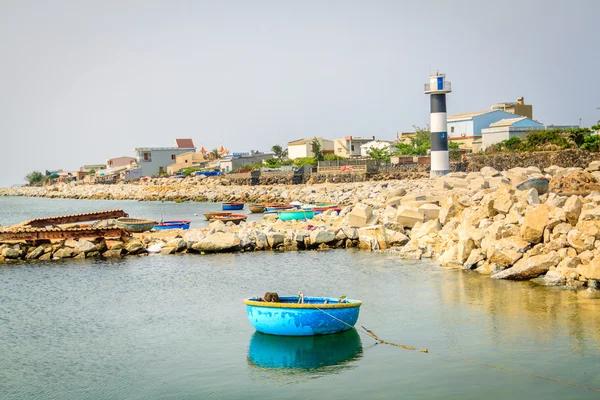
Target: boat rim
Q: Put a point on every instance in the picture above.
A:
(348, 303)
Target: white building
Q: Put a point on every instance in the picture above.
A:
(350, 146)
(508, 128)
(378, 144)
(154, 160)
(302, 148)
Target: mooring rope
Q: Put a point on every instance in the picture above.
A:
(379, 340)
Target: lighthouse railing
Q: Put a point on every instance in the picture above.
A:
(447, 87)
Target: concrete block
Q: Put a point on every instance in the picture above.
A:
(360, 216)
(430, 211)
(408, 216)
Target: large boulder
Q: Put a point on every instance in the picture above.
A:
(408, 216)
(178, 244)
(193, 236)
(572, 209)
(373, 238)
(534, 224)
(361, 216)
(134, 246)
(36, 253)
(320, 237)
(10, 253)
(507, 251)
(430, 211)
(529, 268)
(217, 242)
(591, 270)
(275, 239)
(84, 246)
(503, 202)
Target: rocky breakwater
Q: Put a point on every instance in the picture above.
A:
(216, 189)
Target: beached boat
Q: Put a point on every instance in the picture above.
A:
(232, 206)
(320, 208)
(291, 215)
(541, 184)
(235, 218)
(136, 225)
(272, 208)
(257, 208)
(315, 316)
(209, 215)
(180, 224)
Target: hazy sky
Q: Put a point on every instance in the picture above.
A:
(83, 81)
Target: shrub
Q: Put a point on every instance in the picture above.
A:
(591, 143)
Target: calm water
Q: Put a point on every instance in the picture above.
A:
(174, 327)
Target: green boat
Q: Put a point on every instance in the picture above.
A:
(292, 215)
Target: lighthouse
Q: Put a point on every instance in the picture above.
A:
(437, 89)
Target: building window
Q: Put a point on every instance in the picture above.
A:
(147, 156)
(186, 161)
(172, 156)
(352, 147)
(451, 129)
(339, 149)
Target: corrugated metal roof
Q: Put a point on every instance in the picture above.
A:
(506, 122)
(467, 115)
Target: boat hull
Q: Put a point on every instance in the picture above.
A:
(257, 208)
(540, 184)
(135, 225)
(232, 206)
(312, 318)
(295, 215)
(172, 225)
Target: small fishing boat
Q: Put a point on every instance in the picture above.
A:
(180, 224)
(235, 218)
(209, 215)
(315, 316)
(272, 208)
(232, 206)
(135, 225)
(291, 215)
(540, 184)
(320, 210)
(257, 208)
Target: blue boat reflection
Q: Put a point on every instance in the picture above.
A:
(304, 352)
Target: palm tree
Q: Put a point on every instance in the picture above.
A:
(279, 152)
(214, 154)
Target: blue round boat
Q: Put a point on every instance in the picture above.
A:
(313, 317)
(232, 206)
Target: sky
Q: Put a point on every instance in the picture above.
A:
(83, 81)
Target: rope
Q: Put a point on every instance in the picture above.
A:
(379, 340)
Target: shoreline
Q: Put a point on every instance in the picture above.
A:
(475, 221)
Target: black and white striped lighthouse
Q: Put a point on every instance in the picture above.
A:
(437, 89)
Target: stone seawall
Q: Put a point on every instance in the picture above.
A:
(541, 159)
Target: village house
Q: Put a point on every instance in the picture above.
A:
(349, 146)
(154, 160)
(508, 128)
(302, 148)
(377, 144)
(188, 160)
(120, 162)
(237, 160)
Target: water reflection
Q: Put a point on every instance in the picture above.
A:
(518, 307)
(303, 356)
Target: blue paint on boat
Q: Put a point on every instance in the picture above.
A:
(291, 215)
(288, 318)
(232, 206)
(172, 225)
(304, 352)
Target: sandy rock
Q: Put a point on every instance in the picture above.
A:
(84, 246)
(275, 239)
(45, 257)
(555, 200)
(319, 237)
(534, 224)
(360, 216)
(167, 250)
(572, 209)
(66, 252)
(591, 270)
(114, 245)
(532, 197)
(425, 229)
(507, 251)
(580, 241)
(217, 242)
(36, 253)
(408, 216)
(529, 268)
(430, 211)
(373, 237)
(503, 202)
(178, 244)
(193, 236)
(411, 252)
(10, 253)
(474, 259)
(113, 253)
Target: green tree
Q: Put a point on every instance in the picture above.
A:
(34, 177)
(379, 154)
(591, 143)
(418, 145)
(272, 163)
(280, 153)
(453, 150)
(214, 154)
(316, 149)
